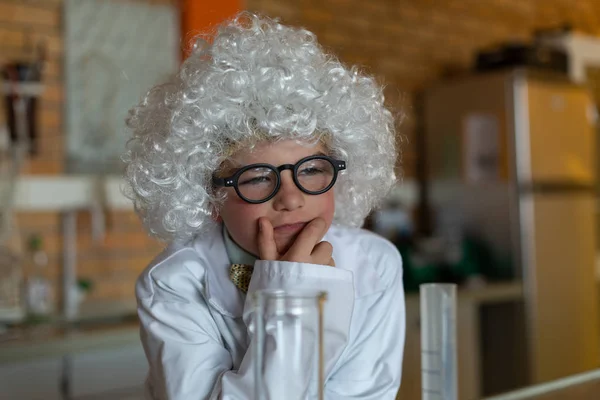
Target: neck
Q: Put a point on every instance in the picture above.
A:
(236, 253)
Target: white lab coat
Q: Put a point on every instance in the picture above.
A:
(194, 325)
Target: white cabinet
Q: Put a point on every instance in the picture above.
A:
(31, 380)
(114, 374)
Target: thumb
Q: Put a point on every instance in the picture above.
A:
(267, 249)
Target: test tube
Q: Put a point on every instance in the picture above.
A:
(289, 344)
(438, 342)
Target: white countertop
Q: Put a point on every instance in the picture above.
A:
(51, 341)
(487, 294)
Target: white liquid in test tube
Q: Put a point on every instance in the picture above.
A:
(438, 342)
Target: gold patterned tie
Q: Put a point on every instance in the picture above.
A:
(240, 275)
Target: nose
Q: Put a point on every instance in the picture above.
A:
(289, 197)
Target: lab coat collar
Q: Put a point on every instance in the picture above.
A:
(221, 293)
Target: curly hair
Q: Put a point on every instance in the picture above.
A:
(253, 78)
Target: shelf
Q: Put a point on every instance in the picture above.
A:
(39, 193)
(31, 89)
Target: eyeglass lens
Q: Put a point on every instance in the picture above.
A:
(259, 183)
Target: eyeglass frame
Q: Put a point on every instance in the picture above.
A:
(232, 181)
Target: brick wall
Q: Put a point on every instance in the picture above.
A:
(113, 263)
(406, 43)
(23, 22)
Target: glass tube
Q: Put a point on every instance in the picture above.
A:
(288, 345)
(438, 342)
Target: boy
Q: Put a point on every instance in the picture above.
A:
(259, 149)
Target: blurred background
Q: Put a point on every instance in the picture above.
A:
(499, 186)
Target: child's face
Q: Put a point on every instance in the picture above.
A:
(289, 211)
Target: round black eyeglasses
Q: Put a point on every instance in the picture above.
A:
(258, 183)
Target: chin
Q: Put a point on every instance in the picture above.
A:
(284, 245)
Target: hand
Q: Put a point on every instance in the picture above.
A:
(305, 249)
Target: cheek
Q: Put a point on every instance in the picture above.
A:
(326, 206)
(240, 219)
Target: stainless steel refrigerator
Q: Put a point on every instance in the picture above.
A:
(512, 155)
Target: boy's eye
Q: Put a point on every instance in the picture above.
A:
(255, 181)
(256, 177)
(311, 171)
(315, 167)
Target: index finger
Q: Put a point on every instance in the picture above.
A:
(267, 249)
(309, 237)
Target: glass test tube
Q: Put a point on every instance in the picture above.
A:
(288, 345)
(438, 342)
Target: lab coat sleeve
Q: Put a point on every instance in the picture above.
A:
(187, 357)
(372, 364)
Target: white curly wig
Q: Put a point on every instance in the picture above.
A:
(254, 78)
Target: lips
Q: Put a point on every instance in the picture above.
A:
(289, 229)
